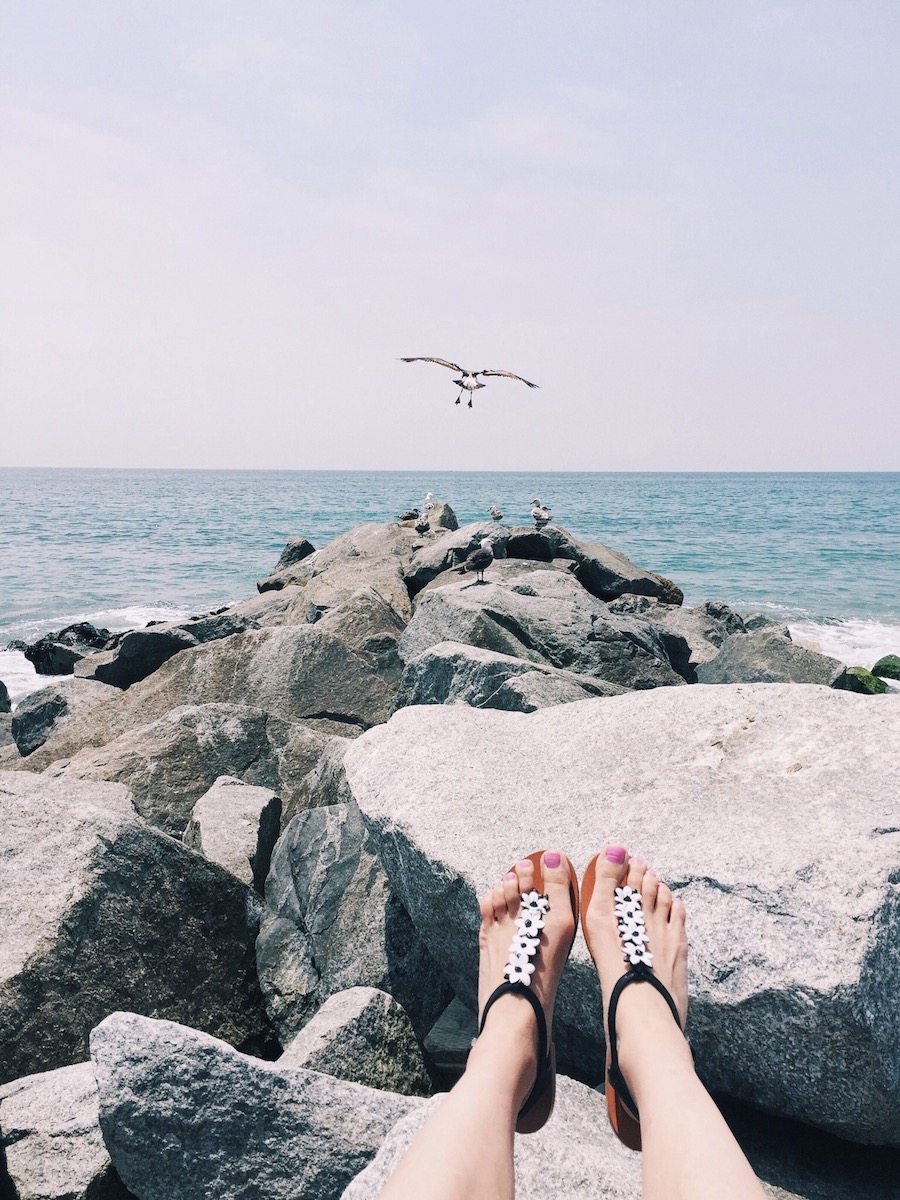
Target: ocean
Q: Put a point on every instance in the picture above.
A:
(120, 547)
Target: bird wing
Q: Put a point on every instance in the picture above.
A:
(441, 362)
(509, 375)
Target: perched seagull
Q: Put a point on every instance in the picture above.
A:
(494, 513)
(541, 513)
(468, 380)
(411, 515)
(429, 502)
(422, 525)
(479, 560)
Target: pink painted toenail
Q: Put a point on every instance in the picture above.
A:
(524, 864)
(615, 854)
(510, 875)
(552, 858)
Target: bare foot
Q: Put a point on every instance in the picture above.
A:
(511, 1018)
(642, 1014)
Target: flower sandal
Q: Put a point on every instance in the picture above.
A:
(538, 1106)
(623, 1112)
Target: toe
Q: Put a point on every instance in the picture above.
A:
(525, 872)
(511, 892)
(556, 876)
(663, 899)
(611, 868)
(498, 902)
(649, 889)
(637, 869)
(678, 913)
(486, 908)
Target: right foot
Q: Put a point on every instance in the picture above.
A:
(642, 1016)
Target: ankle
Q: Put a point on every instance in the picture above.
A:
(506, 1049)
(651, 1045)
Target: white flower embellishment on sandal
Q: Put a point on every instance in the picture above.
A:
(525, 944)
(630, 913)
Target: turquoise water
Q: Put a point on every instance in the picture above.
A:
(122, 547)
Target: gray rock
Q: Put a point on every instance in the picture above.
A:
(41, 712)
(50, 1131)
(547, 619)
(100, 911)
(6, 737)
(139, 654)
(887, 667)
(766, 656)
(768, 808)
(58, 653)
(362, 1035)
(454, 673)
(171, 762)
(236, 825)
(703, 628)
(439, 554)
(215, 626)
(369, 625)
(332, 922)
(576, 1154)
(184, 1115)
(298, 672)
(442, 516)
(5, 704)
(449, 1040)
(295, 551)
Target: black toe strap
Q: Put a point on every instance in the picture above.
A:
(638, 974)
(543, 1056)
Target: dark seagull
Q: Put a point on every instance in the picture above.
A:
(479, 560)
(468, 380)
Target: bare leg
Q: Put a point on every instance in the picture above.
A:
(464, 1151)
(689, 1153)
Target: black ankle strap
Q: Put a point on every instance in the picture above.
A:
(543, 1056)
(638, 974)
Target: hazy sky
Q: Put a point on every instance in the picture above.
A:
(222, 224)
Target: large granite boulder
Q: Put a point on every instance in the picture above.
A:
(184, 1115)
(41, 712)
(138, 654)
(236, 825)
(767, 656)
(50, 1133)
(703, 628)
(57, 653)
(362, 1035)
(454, 673)
(603, 572)
(546, 618)
(6, 737)
(373, 555)
(442, 516)
(100, 911)
(366, 623)
(298, 672)
(333, 922)
(171, 762)
(768, 808)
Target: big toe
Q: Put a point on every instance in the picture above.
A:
(611, 867)
(556, 877)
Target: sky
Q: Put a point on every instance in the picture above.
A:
(222, 224)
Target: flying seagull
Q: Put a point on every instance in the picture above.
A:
(479, 560)
(494, 513)
(468, 380)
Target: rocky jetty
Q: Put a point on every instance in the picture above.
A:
(240, 856)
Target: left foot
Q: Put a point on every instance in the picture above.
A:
(512, 1017)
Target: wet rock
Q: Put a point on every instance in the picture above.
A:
(362, 1035)
(40, 713)
(50, 1132)
(861, 680)
(57, 653)
(454, 673)
(139, 654)
(332, 922)
(295, 551)
(236, 826)
(887, 667)
(171, 762)
(5, 704)
(547, 619)
(768, 809)
(184, 1115)
(766, 656)
(103, 912)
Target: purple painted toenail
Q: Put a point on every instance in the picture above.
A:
(615, 854)
(510, 875)
(552, 858)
